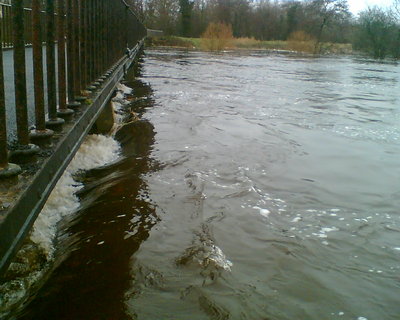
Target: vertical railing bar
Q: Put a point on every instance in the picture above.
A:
(7, 170)
(42, 135)
(54, 122)
(37, 54)
(98, 39)
(19, 73)
(3, 119)
(104, 37)
(2, 25)
(82, 44)
(90, 50)
(118, 36)
(112, 40)
(5, 26)
(92, 32)
(78, 69)
(126, 29)
(10, 32)
(71, 59)
(62, 85)
(88, 47)
(109, 42)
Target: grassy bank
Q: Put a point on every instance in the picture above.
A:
(249, 44)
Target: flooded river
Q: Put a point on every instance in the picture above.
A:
(254, 186)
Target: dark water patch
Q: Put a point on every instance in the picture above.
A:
(92, 271)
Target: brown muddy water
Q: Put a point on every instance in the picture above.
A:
(254, 186)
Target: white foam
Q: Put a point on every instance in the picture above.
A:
(118, 102)
(263, 212)
(329, 229)
(96, 150)
(124, 88)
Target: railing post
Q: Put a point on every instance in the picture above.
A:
(104, 24)
(19, 72)
(23, 152)
(127, 26)
(90, 12)
(41, 135)
(77, 47)
(97, 38)
(54, 122)
(102, 41)
(83, 45)
(6, 169)
(71, 58)
(63, 111)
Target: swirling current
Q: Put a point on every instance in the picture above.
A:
(250, 185)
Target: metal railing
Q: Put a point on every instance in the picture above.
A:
(80, 50)
(82, 39)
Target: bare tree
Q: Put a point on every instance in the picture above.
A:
(378, 33)
(323, 13)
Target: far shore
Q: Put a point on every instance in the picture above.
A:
(249, 44)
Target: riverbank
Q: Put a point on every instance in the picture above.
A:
(250, 44)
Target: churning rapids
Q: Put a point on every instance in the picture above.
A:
(247, 186)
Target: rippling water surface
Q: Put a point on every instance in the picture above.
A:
(255, 186)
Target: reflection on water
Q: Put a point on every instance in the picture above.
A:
(256, 186)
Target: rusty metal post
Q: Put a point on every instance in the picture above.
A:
(63, 111)
(41, 135)
(108, 39)
(71, 59)
(83, 45)
(127, 26)
(102, 41)
(3, 126)
(91, 44)
(54, 122)
(8, 15)
(7, 170)
(23, 152)
(38, 66)
(78, 48)
(19, 72)
(97, 57)
(104, 24)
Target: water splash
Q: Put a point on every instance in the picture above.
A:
(96, 151)
(35, 257)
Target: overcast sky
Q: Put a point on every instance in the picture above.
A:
(360, 5)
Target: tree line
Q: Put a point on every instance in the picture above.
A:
(375, 30)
